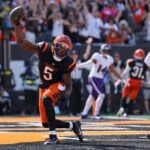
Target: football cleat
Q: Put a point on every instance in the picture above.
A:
(51, 140)
(77, 130)
(84, 117)
(125, 115)
(120, 112)
(97, 117)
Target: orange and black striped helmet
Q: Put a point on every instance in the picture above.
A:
(62, 45)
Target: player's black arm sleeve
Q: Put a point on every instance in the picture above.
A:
(68, 82)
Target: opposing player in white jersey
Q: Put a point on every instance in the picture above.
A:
(147, 61)
(101, 62)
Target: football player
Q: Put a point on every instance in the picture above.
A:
(55, 66)
(147, 61)
(135, 69)
(101, 62)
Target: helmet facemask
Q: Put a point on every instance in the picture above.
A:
(105, 49)
(60, 51)
(61, 47)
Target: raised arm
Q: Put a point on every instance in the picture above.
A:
(27, 45)
(88, 49)
(15, 17)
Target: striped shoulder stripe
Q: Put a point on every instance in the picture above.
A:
(45, 47)
(72, 65)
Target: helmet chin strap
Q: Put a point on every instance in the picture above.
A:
(56, 58)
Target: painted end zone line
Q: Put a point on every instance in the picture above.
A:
(138, 139)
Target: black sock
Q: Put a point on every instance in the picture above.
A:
(62, 124)
(50, 113)
(130, 107)
(58, 124)
(124, 103)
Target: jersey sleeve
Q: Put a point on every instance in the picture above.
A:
(111, 61)
(95, 56)
(87, 63)
(129, 62)
(70, 66)
(42, 46)
(147, 60)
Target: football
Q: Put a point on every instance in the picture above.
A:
(16, 14)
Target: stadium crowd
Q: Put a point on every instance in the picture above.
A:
(111, 21)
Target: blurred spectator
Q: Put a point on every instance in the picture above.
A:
(116, 91)
(110, 10)
(127, 37)
(82, 24)
(94, 24)
(128, 15)
(118, 63)
(76, 96)
(82, 30)
(51, 7)
(146, 92)
(147, 28)
(112, 35)
(120, 5)
(7, 78)
(58, 24)
(34, 64)
(4, 9)
(30, 84)
(138, 12)
(108, 99)
(1, 35)
(77, 23)
(71, 14)
(5, 102)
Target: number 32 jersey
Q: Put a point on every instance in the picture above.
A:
(137, 69)
(50, 70)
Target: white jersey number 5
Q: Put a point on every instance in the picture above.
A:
(48, 73)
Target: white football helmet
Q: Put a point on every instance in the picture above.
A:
(105, 47)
